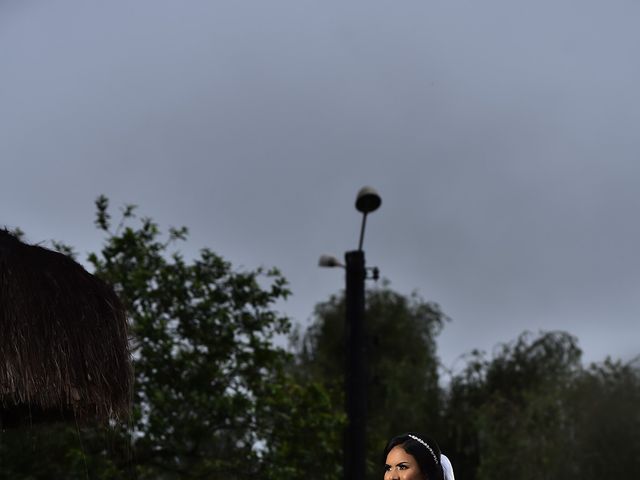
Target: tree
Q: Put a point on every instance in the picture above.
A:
(214, 395)
(403, 392)
(204, 334)
(506, 416)
(605, 417)
(532, 411)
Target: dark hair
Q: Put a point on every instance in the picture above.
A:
(423, 449)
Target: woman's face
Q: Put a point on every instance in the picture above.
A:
(401, 466)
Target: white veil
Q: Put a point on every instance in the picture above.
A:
(447, 468)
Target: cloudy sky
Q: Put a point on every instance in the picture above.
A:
(502, 135)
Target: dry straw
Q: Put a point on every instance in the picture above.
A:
(64, 350)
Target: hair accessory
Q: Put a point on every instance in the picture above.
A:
(435, 459)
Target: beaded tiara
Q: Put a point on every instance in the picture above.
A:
(419, 440)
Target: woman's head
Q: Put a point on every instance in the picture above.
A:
(412, 456)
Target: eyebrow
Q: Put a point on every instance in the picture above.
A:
(404, 462)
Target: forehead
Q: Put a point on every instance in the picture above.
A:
(398, 455)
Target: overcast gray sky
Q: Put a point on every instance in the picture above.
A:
(503, 136)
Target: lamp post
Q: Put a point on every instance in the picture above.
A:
(367, 201)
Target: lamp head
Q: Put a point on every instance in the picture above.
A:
(329, 261)
(367, 200)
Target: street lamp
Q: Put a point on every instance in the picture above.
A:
(367, 201)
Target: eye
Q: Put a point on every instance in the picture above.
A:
(403, 466)
(387, 467)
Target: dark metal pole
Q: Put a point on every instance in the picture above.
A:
(355, 380)
(364, 224)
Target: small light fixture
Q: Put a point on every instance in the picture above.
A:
(329, 261)
(368, 200)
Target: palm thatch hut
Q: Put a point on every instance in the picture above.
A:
(64, 350)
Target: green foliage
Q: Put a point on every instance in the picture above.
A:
(59, 451)
(307, 441)
(533, 412)
(204, 339)
(605, 420)
(522, 420)
(403, 392)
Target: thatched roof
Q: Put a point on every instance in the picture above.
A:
(63, 339)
